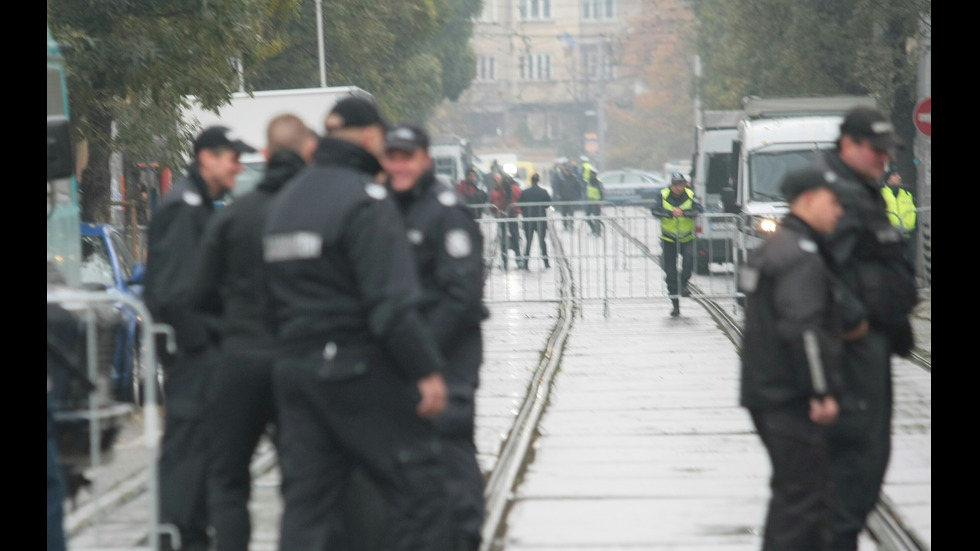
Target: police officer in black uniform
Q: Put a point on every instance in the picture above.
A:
(226, 287)
(358, 375)
(175, 232)
(448, 249)
(792, 350)
(870, 256)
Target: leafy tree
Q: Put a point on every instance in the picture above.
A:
(408, 54)
(130, 64)
(790, 48)
(659, 126)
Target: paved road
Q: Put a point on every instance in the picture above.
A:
(642, 444)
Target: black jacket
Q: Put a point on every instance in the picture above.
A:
(535, 194)
(338, 266)
(175, 232)
(230, 258)
(862, 234)
(447, 246)
(792, 342)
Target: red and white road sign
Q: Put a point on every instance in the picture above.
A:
(922, 116)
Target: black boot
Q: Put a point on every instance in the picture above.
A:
(677, 308)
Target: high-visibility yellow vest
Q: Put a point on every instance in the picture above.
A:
(901, 209)
(677, 229)
(586, 171)
(593, 192)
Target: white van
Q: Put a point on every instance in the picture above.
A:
(775, 136)
(713, 157)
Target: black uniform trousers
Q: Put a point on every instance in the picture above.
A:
(464, 480)
(799, 507)
(366, 420)
(184, 447)
(860, 439)
(669, 261)
(541, 228)
(510, 238)
(243, 408)
(594, 225)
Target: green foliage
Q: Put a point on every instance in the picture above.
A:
(408, 54)
(792, 48)
(786, 48)
(130, 64)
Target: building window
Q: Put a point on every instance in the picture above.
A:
(535, 9)
(597, 9)
(597, 62)
(485, 68)
(535, 67)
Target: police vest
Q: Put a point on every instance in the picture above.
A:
(593, 192)
(677, 229)
(586, 171)
(901, 209)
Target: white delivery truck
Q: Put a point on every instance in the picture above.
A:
(248, 115)
(451, 156)
(777, 135)
(714, 137)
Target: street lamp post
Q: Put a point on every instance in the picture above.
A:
(319, 40)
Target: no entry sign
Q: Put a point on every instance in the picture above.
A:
(922, 116)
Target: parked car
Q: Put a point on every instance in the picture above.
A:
(108, 263)
(628, 185)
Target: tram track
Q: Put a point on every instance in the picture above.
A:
(512, 459)
(516, 451)
(884, 523)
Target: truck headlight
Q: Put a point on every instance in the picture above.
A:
(767, 225)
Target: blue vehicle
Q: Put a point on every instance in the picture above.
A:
(107, 263)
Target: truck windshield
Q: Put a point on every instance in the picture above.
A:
(766, 171)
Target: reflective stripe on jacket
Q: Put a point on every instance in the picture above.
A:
(901, 209)
(680, 228)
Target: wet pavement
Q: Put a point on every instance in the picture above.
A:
(642, 444)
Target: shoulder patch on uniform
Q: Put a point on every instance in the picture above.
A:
(375, 191)
(191, 198)
(808, 245)
(748, 278)
(458, 243)
(415, 236)
(447, 198)
(830, 176)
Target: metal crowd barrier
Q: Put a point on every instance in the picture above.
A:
(102, 410)
(613, 250)
(615, 253)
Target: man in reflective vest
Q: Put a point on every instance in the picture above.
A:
(595, 193)
(901, 208)
(677, 211)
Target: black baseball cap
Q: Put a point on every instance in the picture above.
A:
(220, 137)
(406, 137)
(805, 179)
(354, 112)
(867, 123)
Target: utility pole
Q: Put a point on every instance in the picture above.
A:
(319, 40)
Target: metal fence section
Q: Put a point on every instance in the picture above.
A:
(613, 250)
(103, 416)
